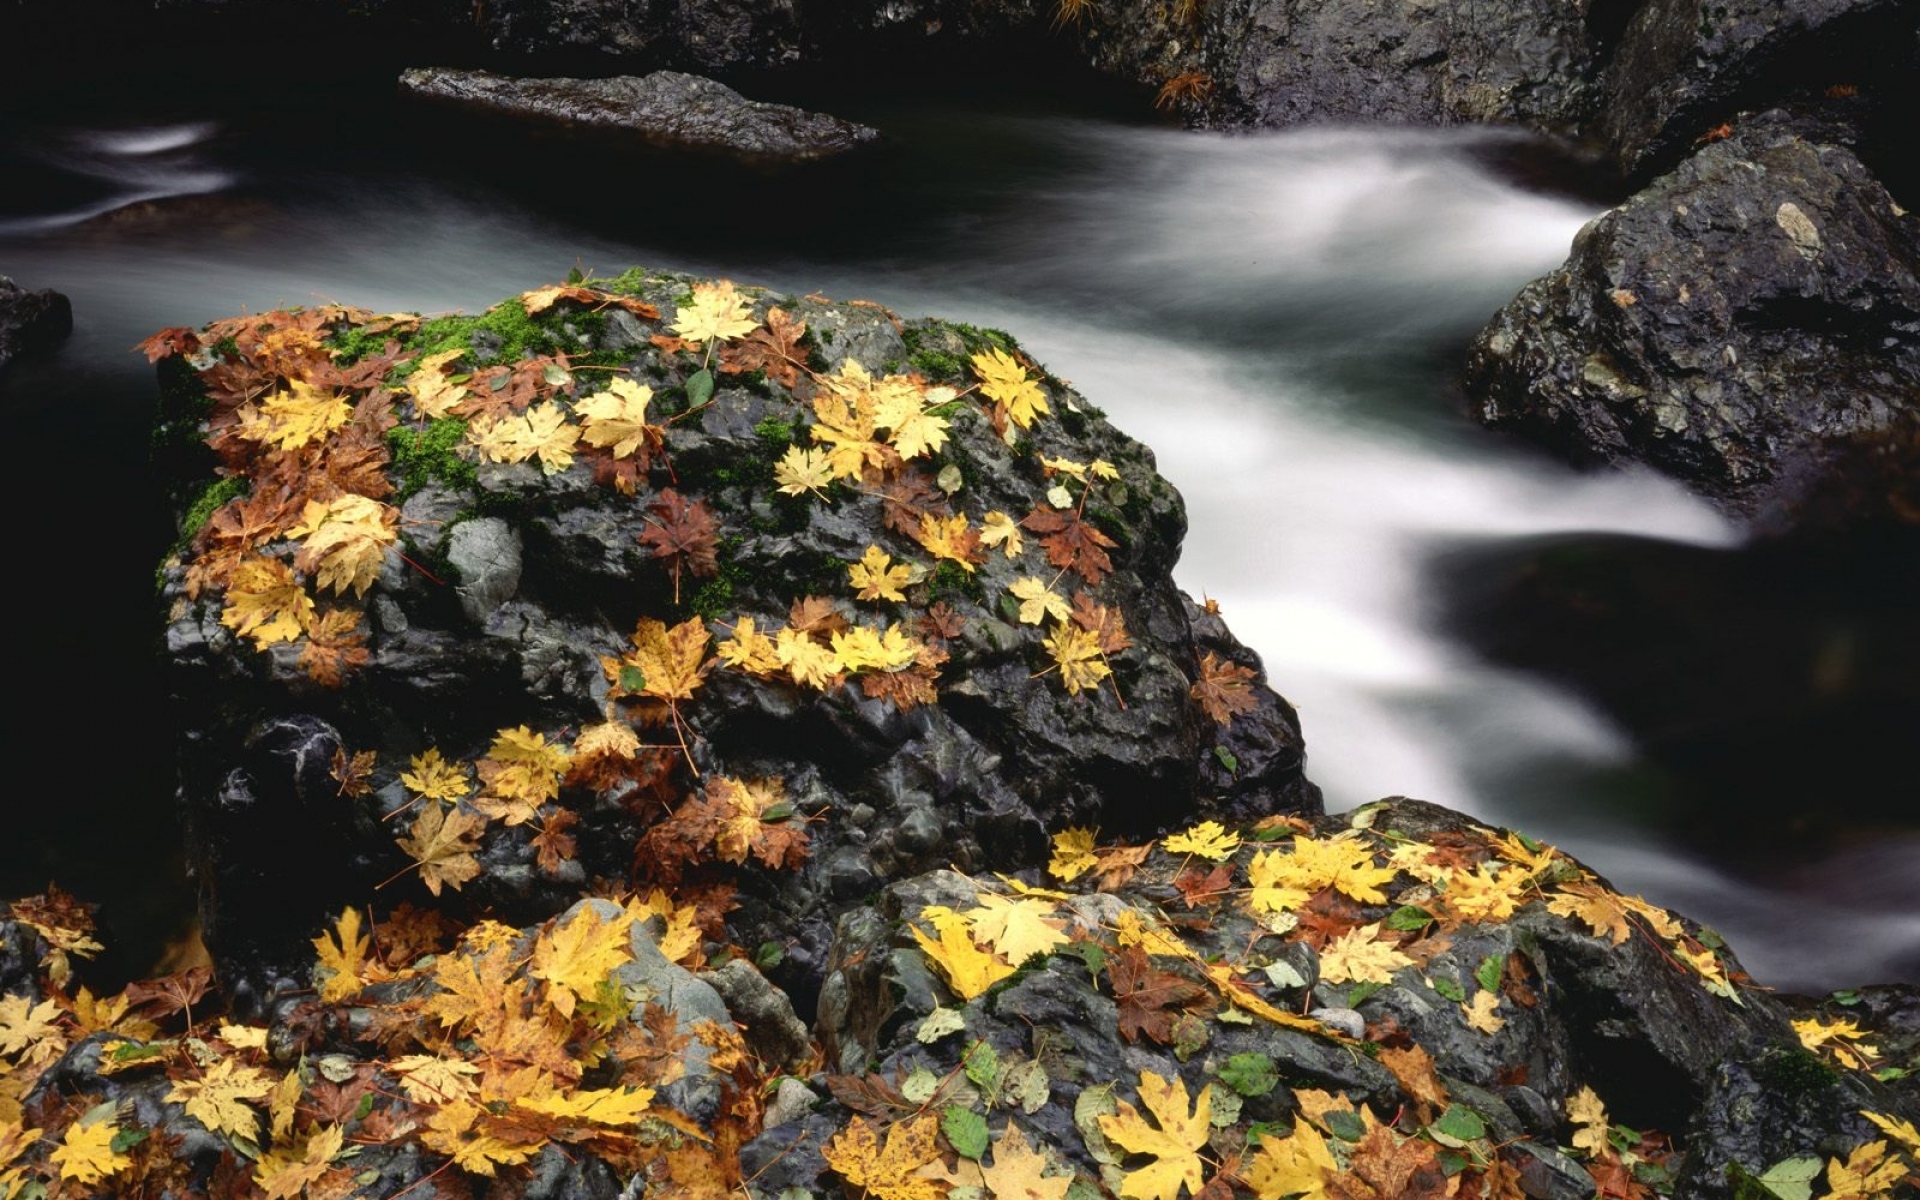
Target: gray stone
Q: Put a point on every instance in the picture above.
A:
(486, 552)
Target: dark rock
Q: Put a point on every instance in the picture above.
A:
(1685, 66)
(483, 623)
(666, 108)
(1758, 303)
(31, 323)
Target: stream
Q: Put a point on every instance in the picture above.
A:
(1279, 316)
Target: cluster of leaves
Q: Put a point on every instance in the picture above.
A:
(1379, 908)
(480, 1051)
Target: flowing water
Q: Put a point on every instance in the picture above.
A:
(1279, 316)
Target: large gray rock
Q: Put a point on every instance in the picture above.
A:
(666, 108)
(1758, 301)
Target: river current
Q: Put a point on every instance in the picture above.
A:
(1278, 315)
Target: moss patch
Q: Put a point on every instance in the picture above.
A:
(431, 454)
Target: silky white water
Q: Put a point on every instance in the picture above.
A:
(1273, 314)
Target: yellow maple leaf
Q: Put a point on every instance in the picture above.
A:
(346, 541)
(1296, 1165)
(877, 578)
(1898, 1128)
(1076, 652)
(1713, 974)
(1006, 383)
(218, 1098)
(968, 969)
(1019, 1170)
(452, 1131)
(434, 393)
(803, 469)
(844, 422)
(1868, 1172)
(286, 1176)
(266, 602)
(811, 664)
(673, 660)
(1073, 855)
(15, 1139)
(1486, 893)
(342, 960)
(1208, 840)
(606, 739)
(1480, 1014)
(1841, 1038)
(1359, 956)
(865, 649)
(1589, 1116)
(615, 1107)
(1596, 907)
(24, 1023)
(952, 538)
(1000, 529)
(430, 1079)
(749, 649)
(717, 312)
(1174, 1140)
(680, 941)
(86, 1154)
(575, 958)
(442, 843)
(1343, 862)
(283, 1102)
(434, 778)
(290, 419)
(523, 769)
(542, 431)
(617, 417)
(889, 1170)
(1268, 873)
(1016, 929)
(1134, 928)
(1038, 601)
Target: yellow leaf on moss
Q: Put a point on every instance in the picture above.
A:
(1038, 601)
(1343, 862)
(1174, 1139)
(1006, 383)
(1000, 529)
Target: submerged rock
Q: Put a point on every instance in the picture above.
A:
(31, 323)
(1757, 306)
(666, 108)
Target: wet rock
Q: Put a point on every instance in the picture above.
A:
(1758, 303)
(666, 108)
(31, 323)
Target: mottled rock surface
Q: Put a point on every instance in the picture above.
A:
(31, 322)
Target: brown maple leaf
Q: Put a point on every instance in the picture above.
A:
(1115, 865)
(178, 993)
(908, 497)
(410, 934)
(1104, 622)
(682, 533)
(1224, 689)
(1150, 1000)
(553, 845)
(940, 623)
(905, 690)
(774, 348)
(334, 647)
(352, 772)
(1385, 1166)
(1071, 542)
(1326, 916)
(1198, 886)
(816, 615)
(169, 342)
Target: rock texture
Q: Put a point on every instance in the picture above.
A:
(31, 323)
(1756, 304)
(513, 587)
(666, 108)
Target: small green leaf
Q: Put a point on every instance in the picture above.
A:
(1360, 993)
(127, 1139)
(983, 1065)
(1793, 1178)
(1407, 918)
(1026, 1087)
(699, 387)
(768, 955)
(1226, 1106)
(966, 1130)
(1448, 988)
(632, 679)
(1092, 953)
(1458, 1126)
(1487, 974)
(1846, 996)
(556, 376)
(1346, 1126)
(920, 1086)
(777, 812)
(1227, 760)
(574, 276)
(1283, 975)
(1250, 1074)
(363, 1109)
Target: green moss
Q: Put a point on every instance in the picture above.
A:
(776, 432)
(1795, 1073)
(628, 283)
(211, 499)
(949, 578)
(431, 454)
(508, 324)
(355, 343)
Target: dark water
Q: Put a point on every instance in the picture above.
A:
(1278, 316)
